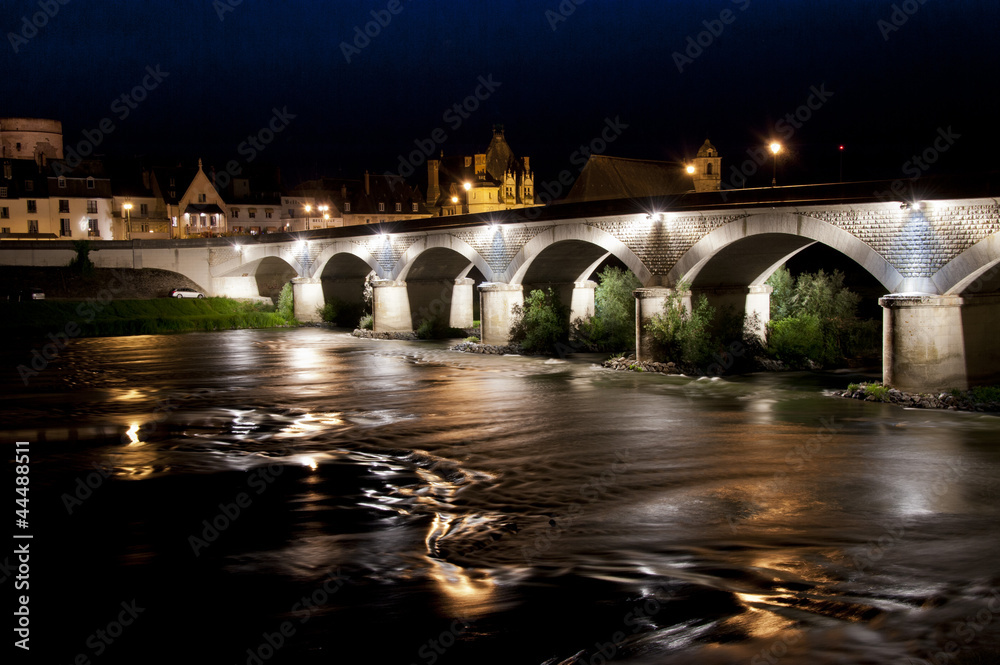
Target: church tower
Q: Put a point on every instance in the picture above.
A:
(707, 169)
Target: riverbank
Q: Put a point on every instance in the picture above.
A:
(113, 318)
(983, 398)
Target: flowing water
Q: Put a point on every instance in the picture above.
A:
(300, 496)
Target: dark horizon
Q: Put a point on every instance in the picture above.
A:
(883, 81)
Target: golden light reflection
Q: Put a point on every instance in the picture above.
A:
(310, 462)
(463, 593)
(133, 435)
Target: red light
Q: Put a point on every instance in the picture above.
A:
(841, 147)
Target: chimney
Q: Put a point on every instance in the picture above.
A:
(368, 190)
(527, 164)
(145, 178)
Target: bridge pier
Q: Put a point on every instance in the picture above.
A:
(307, 295)
(749, 300)
(648, 303)
(582, 303)
(391, 306)
(495, 303)
(932, 343)
(461, 315)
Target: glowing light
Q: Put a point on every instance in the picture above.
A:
(841, 147)
(238, 248)
(127, 206)
(310, 462)
(454, 199)
(467, 185)
(308, 208)
(775, 148)
(654, 217)
(691, 169)
(132, 435)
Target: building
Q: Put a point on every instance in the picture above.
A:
(37, 204)
(332, 202)
(36, 139)
(604, 177)
(492, 180)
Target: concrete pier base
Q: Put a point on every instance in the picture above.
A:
(648, 303)
(933, 343)
(495, 303)
(582, 303)
(751, 300)
(461, 303)
(391, 307)
(308, 297)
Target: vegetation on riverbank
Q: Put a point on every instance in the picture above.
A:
(99, 318)
(980, 398)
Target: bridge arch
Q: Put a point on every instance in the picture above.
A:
(439, 257)
(974, 270)
(261, 277)
(747, 251)
(563, 253)
(337, 258)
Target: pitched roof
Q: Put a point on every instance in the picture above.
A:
(605, 177)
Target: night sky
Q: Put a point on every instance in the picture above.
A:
(887, 91)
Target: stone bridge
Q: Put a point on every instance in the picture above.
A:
(935, 250)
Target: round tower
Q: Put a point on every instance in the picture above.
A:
(31, 138)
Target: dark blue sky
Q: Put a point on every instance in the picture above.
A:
(886, 93)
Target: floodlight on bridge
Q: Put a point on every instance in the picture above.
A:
(467, 185)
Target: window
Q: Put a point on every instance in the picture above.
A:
(92, 229)
(19, 147)
(202, 198)
(235, 213)
(268, 212)
(63, 205)
(4, 213)
(399, 207)
(32, 226)
(29, 186)
(414, 207)
(381, 206)
(3, 192)
(708, 169)
(92, 207)
(32, 205)
(7, 171)
(90, 183)
(4, 230)
(64, 227)
(143, 209)
(62, 182)
(172, 183)
(347, 207)
(214, 220)
(172, 194)
(291, 212)
(252, 213)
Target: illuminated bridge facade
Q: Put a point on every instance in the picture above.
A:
(935, 250)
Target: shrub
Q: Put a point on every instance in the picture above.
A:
(81, 263)
(878, 391)
(367, 322)
(987, 394)
(681, 336)
(340, 312)
(472, 339)
(540, 324)
(286, 303)
(612, 327)
(797, 339)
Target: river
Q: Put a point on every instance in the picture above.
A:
(301, 496)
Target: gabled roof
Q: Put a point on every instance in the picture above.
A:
(605, 177)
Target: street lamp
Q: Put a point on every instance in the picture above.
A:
(128, 220)
(690, 169)
(775, 149)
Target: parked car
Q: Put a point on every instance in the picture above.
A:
(31, 294)
(185, 293)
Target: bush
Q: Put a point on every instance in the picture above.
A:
(81, 263)
(797, 339)
(367, 322)
(681, 336)
(877, 391)
(985, 394)
(540, 324)
(286, 303)
(340, 312)
(612, 328)
(472, 339)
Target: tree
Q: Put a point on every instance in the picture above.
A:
(612, 327)
(681, 336)
(540, 324)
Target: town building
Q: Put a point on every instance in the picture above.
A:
(484, 182)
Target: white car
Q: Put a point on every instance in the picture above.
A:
(185, 293)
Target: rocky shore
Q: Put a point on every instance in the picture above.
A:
(957, 400)
(629, 363)
(489, 349)
(371, 334)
